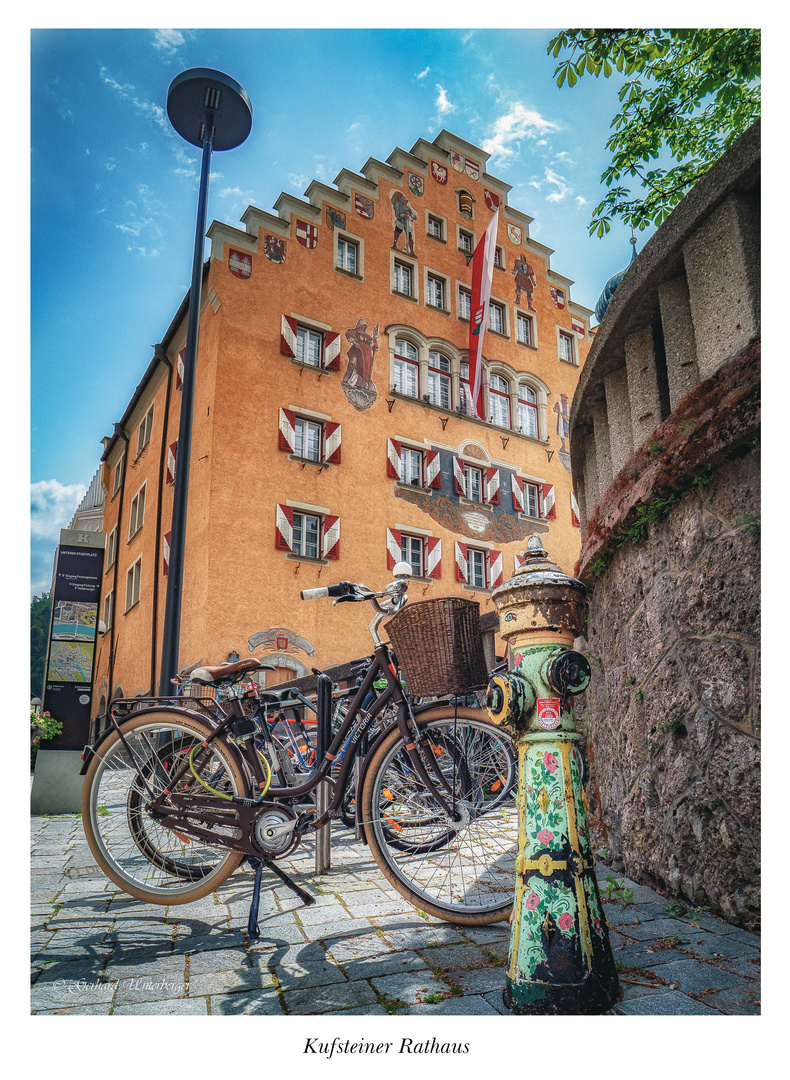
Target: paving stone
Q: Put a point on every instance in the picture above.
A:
(383, 907)
(659, 928)
(167, 1007)
(70, 993)
(452, 957)
(733, 1001)
(328, 999)
(476, 1005)
(323, 913)
(746, 936)
(672, 1003)
(630, 990)
(270, 956)
(43, 896)
(75, 971)
(716, 946)
(616, 915)
(79, 1010)
(265, 1003)
(294, 976)
(331, 931)
(746, 966)
(229, 982)
(497, 1003)
(357, 946)
(499, 931)
(480, 981)
(218, 960)
(418, 937)
(693, 976)
(132, 966)
(389, 964)
(409, 987)
(274, 935)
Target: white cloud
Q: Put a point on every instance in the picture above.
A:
(298, 181)
(517, 124)
(147, 108)
(580, 200)
(423, 73)
(443, 105)
(52, 506)
(560, 183)
(168, 41)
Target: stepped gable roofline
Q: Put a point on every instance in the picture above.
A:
(255, 219)
(447, 141)
(288, 204)
(319, 193)
(220, 233)
(580, 309)
(346, 181)
(559, 279)
(400, 159)
(374, 167)
(518, 217)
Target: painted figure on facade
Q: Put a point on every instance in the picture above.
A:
(404, 217)
(525, 280)
(563, 410)
(357, 383)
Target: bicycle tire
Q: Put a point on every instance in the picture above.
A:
(112, 816)
(461, 872)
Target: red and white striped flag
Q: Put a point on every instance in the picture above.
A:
(482, 272)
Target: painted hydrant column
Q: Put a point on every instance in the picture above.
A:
(560, 959)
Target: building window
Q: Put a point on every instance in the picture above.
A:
(435, 227)
(436, 291)
(112, 547)
(347, 252)
(524, 330)
(528, 411)
(307, 439)
(117, 476)
(144, 430)
(476, 561)
(464, 304)
(133, 575)
(406, 368)
(137, 512)
(440, 385)
(499, 258)
(309, 346)
(473, 483)
(402, 278)
(411, 552)
(531, 504)
(467, 405)
(410, 466)
(466, 242)
(567, 349)
(306, 535)
(496, 317)
(107, 610)
(499, 400)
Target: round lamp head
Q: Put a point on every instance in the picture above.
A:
(202, 93)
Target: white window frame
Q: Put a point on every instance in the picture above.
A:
(344, 237)
(464, 302)
(439, 377)
(468, 469)
(299, 549)
(304, 334)
(434, 281)
(497, 305)
(401, 267)
(305, 424)
(432, 218)
(466, 241)
(137, 511)
(528, 408)
(117, 476)
(107, 609)
(480, 555)
(112, 547)
(495, 399)
(570, 339)
(133, 583)
(417, 546)
(522, 316)
(410, 475)
(144, 430)
(499, 257)
(408, 364)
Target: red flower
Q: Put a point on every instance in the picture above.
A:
(531, 902)
(550, 761)
(545, 836)
(565, 921)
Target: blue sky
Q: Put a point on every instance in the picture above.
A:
(113, 188)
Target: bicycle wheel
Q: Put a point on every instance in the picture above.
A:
(142, 857)
(460, 868)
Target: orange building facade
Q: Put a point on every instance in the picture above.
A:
(331, 432)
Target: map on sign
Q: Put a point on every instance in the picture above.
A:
(74, 619)
(70, 661)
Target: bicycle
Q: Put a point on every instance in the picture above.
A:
(185, 798)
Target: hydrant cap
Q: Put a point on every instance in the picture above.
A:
(538, 569)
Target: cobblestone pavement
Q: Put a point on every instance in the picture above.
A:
(360, 950)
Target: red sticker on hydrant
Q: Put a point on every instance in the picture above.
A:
(549, 712)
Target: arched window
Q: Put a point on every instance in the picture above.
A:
(406, 368)
(440, 383)
(465, 406)
(528, 411)
(499, 400)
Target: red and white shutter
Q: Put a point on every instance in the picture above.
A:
(461, 563)
(575, 512)
(288, 336)
(332, 345)
(495, 575)
(433, 469)
(287, 438)
(547, 500)
(393, 548)
(166, 553)
(492, 486)
(284, 533)
(393, 458)
(332, 443)
(330, 548)
(518, 561)
(459, 477)
(180, 368)
(433, 557)
(518, 494)
(170, 474)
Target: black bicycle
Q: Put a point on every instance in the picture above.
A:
(174, 800)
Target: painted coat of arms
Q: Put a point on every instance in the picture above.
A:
(416, 184)
(239, 263)
(557, 297)
(514, 233)
(363, 206)
(464, 164)
(334, 219)
(492, 199)
(306, 234)
(439, 172)
(274, 248)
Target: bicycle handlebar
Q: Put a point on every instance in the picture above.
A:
(342, 588)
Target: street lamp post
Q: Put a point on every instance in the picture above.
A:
(212, 111)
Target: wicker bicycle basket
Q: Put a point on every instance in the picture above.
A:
(439, 646)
